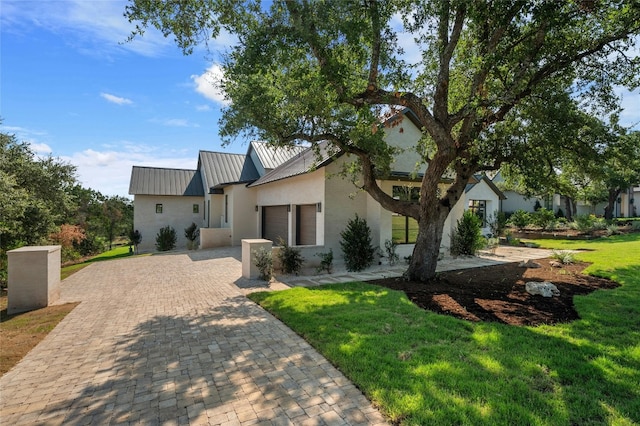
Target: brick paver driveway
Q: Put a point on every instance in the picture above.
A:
(170, 339)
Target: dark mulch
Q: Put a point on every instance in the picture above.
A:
(497, 293)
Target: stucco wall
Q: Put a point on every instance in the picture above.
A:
(405, 136)
(481, 191)
(176, 212)
(242, 213)
(308, 188)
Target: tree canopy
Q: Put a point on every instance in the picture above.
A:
(481, 77)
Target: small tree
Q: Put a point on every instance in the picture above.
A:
(166, 239)
(544, 219)
(390, 248)
(290, 258)
(520, 219)
(326, 261)
(356, 244)
(191, 233)
(263, 259)
(135, 238)
(467, 238)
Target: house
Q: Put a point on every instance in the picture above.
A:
(292, 194)
(624, 207)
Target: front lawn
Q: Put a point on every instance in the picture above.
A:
(423, 368)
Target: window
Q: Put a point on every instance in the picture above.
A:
(226, 209)
(404, 229)
(158, 208)
(479, 207)
(196, 208)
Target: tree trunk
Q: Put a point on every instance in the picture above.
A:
(568, 214)
(424, 259)
(611, 201)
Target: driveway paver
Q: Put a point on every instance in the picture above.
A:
(170, 339)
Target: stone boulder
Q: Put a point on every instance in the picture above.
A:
(529, 264)
(544, 289)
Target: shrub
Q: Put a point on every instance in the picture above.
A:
(326, 261)
(497, 223)
(290, 258)
(583, 222)
(263, 259)
(135, 237)
(543, 218)
(467, 238)
(564, 257)
(356, 244)
(166, 239)
(612, 230)
(191, 233)
(520, 219)
(390, 248)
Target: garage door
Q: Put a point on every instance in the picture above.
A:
(306, 225)
(275, 223)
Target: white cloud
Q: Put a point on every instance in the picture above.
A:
(203, 108)
(109, 171)
(174, 122)
(41, 149)
(116, 99)
(209, 84)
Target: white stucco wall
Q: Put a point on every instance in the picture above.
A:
(242, 213)
(308, 188)
(405, 137)
(177, 212)
(517, 201)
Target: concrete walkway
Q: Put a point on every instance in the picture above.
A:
(171, 339)
(503, 254)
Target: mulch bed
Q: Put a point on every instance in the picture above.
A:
(497, 293)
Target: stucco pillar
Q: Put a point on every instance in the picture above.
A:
(249, 269)
(34, 277)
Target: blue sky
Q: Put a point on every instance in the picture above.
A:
(72, 89)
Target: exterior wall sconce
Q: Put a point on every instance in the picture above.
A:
(319, 207)
(257, 208)
(288, 207)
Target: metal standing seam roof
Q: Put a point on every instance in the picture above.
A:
(302, 163)
(220, 167)
(164, 181)
(271, 157)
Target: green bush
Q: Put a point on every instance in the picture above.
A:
(520, 219)
(467, 238)
(497, 223)
(563, 256)
(326, 261)
(290, 258)
(191, 233)
(390, 247)
(263, 259)
(544, 219)
(166, 239)
(356, 245)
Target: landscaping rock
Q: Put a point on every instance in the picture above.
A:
(529, 264)
(544, 289)
(555, 264)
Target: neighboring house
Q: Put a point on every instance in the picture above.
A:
(625, 204)
(295, 195)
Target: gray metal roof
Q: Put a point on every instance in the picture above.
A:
(161, 181)
(271, 157)
(303, 162)
(220, 167)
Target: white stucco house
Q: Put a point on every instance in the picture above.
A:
(295, 194)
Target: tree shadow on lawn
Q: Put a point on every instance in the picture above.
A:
(427, 368)
(197, 367)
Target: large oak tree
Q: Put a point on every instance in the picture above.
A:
(477, 75)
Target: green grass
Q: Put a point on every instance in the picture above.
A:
(115, 253)
(423, 368)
